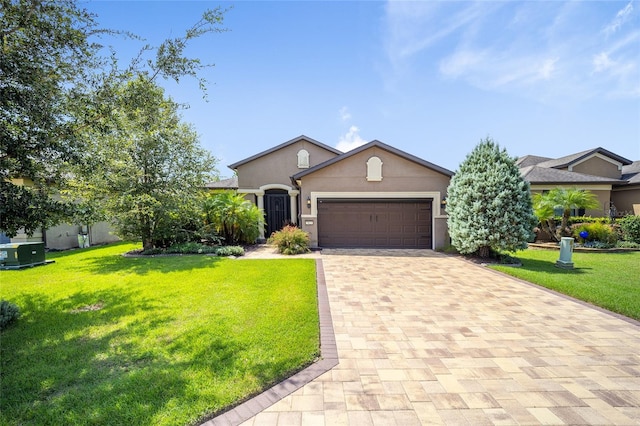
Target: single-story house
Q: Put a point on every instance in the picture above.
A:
(372, 196)
(615, 180)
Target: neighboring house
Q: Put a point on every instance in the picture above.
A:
(372, 196)
(626, 198)
(64, 236)
(615, 180)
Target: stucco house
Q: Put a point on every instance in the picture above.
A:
(372, 196)
(614, 179)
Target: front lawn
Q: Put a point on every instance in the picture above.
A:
(105, 339)
(608, 280)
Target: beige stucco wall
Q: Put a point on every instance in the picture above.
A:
(624, 199)
(597, 166)
(277, 167)
(401, 178)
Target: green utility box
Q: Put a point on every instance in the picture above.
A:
(21, 255)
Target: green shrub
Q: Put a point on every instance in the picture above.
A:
(232, 217)
(290, 240)
(597, 232)
(630, 228)
(190, 248)
(573, 220)
(230, 251)
(8, 313)
(627, 244)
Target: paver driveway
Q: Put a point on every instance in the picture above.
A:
(424, 338)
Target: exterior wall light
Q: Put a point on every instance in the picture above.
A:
(309, 202)
(443, 203)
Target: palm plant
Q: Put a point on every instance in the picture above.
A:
(234, 218)
(565, 199)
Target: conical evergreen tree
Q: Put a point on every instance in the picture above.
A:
(489, 203)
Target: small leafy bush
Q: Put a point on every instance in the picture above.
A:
(8, 313)
(230, 251)
(627, 244)
(597, 245)
(630, 228)
(190, 248)
(290, 240)
(597, 232)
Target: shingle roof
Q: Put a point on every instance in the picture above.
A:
(378, 144)
(538, 175)
(282, 145)
(631, 173)
(574, 158)
(530, 160)
(231, 183)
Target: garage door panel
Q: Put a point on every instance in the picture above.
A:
(374, 223)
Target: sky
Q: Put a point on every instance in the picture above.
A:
(433, 79)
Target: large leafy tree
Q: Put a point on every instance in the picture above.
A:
(44, 49)
(57, 93)
(488, 203)
(149, 170)
(565, 199)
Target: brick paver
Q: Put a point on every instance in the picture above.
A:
(424, 338)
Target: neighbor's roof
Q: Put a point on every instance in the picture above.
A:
(577, 157)
(538, 175)
(231, 183)
(531, 160)
(283, 145)
(631, 173)
(378, 144)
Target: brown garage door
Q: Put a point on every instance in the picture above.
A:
(374, 223)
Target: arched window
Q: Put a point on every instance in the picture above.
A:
(374, 169)
(303, 159)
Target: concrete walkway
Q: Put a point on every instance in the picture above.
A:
(424, 338)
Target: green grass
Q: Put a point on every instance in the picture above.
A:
(105, 339)
(608, 280)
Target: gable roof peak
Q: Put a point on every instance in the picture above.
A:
(381, 145)
(283, 145)
(570, 159)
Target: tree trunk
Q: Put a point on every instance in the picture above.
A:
(484, 252)
(147, 244)
(551, 227)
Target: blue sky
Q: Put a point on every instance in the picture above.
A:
(430, 78)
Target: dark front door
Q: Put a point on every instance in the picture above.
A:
(277, 208)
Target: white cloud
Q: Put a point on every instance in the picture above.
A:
(621, 17)
(547, 69)
(461, 62)
(350, 140)
(543, 51)
(602, 62)
(345, 115)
